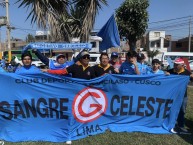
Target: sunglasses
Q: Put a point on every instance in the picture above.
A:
(86, 56)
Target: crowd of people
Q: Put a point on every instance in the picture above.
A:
(80, 68)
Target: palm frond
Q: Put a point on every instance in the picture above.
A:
(64, 18)
(2, 4)
(152, 53)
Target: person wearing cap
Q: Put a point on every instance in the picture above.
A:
(156, 64)
(27, 67)
(81, 70)
(60, 62)
(130, 66)
(115, 62)
(10, 68)
(179, 69)
(143, 68)
(104, 67)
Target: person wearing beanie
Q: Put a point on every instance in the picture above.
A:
(81, 70)
(179, 69)
(27, 67)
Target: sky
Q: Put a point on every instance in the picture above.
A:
(169, 15)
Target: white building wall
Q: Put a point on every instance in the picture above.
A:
(156, 37)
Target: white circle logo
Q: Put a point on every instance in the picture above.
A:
(89, 104)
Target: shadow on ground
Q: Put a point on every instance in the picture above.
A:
(188, 137)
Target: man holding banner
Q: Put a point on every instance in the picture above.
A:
(27, 67)
(104, 67)
(81, 70)
(60, 62)
(179, 69)
(130, 66)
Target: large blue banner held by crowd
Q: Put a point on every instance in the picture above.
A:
(44, 107)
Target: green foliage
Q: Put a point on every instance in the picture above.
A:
(132, 19)
(2, 4)
(64, 18)
(30, 38)
(152, 54)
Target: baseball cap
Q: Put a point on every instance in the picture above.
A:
(60, 55)
(83, 53)
(179, 61)
(114, 54)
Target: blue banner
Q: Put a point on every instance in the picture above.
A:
(57, 46)
(110, 35)
(44, 107)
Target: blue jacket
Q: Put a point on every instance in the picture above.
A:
(157, 72)
(52, 64)
(2, 70)
(143, 69)
(127, 68)
(3, 63)
(28, 70)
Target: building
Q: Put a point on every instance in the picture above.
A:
(158, 40)
(182, 45)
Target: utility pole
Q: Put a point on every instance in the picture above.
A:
(8, 30)
(190, 37)
(3, 22)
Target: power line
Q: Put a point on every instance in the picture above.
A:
(169, 20)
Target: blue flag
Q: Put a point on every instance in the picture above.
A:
(110, 35)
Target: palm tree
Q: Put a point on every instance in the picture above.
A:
(152, 54)
(64, 18)
(45, 13)
(89, 10)
(2, 3)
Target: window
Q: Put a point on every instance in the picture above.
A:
(93, 44)
(166, 43)
(178, 45)
(172, 57)
(155, 44)
(93, 59)
(157, 34)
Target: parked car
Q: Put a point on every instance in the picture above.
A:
(191, 65)
(174, 55)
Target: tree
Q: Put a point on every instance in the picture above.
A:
(132, 18)
(152, 54)
(65, 18)
(3, 3)
(30, 38)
